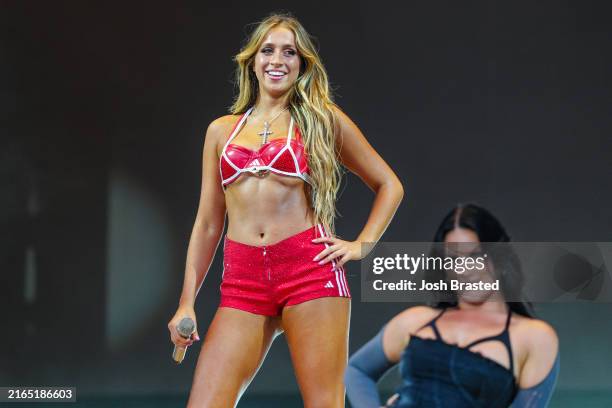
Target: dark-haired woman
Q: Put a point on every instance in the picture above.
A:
(477, 350)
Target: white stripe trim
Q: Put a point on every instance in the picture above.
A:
(230, 178)
(343, 278)
(237, 128)
(281, 151)
(231, 163)
(295, 162)
(334, 268)
(239, 171)
(289, 132)
(232, 135)
(340, 271)
(302, 176)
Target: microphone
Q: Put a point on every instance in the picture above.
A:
(186, 327)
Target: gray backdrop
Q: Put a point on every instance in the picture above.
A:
(104, 107)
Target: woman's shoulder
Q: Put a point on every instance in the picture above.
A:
(340, 118)
(223, 123)
(541, 349)
(220, 127)
(399, 330)
(413, 318)
(345, 128)
(538, 333)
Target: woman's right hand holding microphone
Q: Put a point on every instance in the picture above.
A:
(182, 312)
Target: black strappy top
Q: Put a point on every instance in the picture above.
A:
(437, 374)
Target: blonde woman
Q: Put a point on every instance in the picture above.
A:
(274, 166)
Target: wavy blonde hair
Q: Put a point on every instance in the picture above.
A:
(311, 105)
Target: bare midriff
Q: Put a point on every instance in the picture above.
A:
(263, 210)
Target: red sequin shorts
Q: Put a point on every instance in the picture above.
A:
(264, 279)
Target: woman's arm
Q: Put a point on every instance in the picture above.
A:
(376, 357)
(210, 217)
(538, 396)
(365, 368)
(361, 159)
(207, 229)
(541, 368)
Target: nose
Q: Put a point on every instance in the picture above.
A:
(276, 58)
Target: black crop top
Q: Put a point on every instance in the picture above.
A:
(437, 374)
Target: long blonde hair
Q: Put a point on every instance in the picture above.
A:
(311, 105)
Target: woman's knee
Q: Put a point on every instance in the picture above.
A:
(331, 395)
(209, 397)
(328, 398)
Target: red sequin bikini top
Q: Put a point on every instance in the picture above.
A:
(285, 156)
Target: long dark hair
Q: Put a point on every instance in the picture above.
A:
(489, 230)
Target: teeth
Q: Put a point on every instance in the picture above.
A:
(276, 73)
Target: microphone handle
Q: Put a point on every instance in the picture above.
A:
(185, 328)
(178, 354)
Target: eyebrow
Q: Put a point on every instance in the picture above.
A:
(282, 46)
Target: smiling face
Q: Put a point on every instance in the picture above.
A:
(277, 62)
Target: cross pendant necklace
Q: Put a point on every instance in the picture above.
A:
(266, 130)
(265, 133)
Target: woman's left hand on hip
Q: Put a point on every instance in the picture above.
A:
(342, 251)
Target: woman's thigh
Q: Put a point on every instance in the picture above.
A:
(317, 335)
(234, 348)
